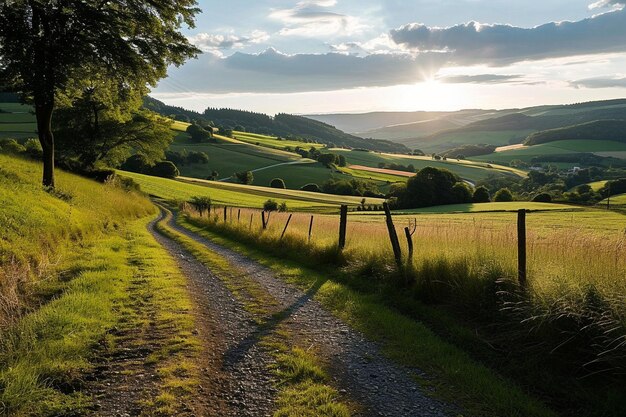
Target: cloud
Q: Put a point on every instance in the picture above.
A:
(607, 3)
(600, 82)
(499, 45)
(380, 44)
(480, 79)
(274, 72)
(216, 43)
(310, 19)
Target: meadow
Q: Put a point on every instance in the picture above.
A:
(17, 121)
(565, 325)
(223, 193)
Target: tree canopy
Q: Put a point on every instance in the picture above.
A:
(44, 44)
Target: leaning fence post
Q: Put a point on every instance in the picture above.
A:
(521, 246)
(393, 236)
(343, 221)
(287, 224)
(310, 228)
(409, 231)
(238, 215)
(263, 221)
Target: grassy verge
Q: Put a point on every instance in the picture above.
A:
(303, 385)
(81, 279)
(454, 375)
(46, 356)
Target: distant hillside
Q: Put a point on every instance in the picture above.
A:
(614, 130)
(439, 131)
(284, 125)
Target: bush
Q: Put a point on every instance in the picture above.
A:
(277, 183)
(503, 195)
(11, 146)
(33, 148)
(201, 203)
(270, 205)
(462, 193)
(244, 177)
(481, 195)
(136, 163)
(283, 207)
(197, 157)
(164, 169)
(312, 187)
(542, 198)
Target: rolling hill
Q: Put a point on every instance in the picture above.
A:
(284, 125)
(441, 131)
(611, 130)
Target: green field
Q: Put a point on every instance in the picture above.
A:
(274, 142)
(467, 170)
(491, 207)
(238, 195)
(606, 148)
(17, 121)
(445, 141)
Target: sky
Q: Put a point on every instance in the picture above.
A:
(351, 56)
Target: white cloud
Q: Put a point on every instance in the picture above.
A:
(475, 43)
(379, 45)
(607, 3)
(600, 82)
(311, 19)
(480, 79)
(273, 71)
(216, 43)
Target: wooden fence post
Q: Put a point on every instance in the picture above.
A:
(343, 222)
(251, 215)
(393, 236)
(287, 224)
(521, 246)
(408, 232)
(225, 208)
(238, 215)
(310, 228)
(230, 215)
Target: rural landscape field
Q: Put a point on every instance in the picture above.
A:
(316, 208)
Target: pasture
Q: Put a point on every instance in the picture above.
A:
(274, 142)
(238, 195)
(17, 121)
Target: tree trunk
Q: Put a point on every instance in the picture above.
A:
(43, 113)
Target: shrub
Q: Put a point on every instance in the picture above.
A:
(277, 183)
(481, 195)
(201, 203)
(283, 207)
(244, 177)
(462, 193)
(33, 148)
(11, 146)
(503, 195)
(542, 198)
(164, 169)
(270, 205)
(312, 187)
(136, 163)
(197, 157)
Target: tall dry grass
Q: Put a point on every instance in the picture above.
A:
(574, 305)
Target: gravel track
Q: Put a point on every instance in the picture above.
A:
(357, 368)
(238, 367)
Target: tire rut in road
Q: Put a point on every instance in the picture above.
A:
(238, 368)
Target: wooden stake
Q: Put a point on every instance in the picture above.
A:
(409, 241)
(251, 214)
(393, 236)
(521, 247)
(343, 221)
(285, 229)
(264, 224)
(238, 215)
(225, 213)
(310, 228)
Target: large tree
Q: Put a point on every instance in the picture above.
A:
(44, 43)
